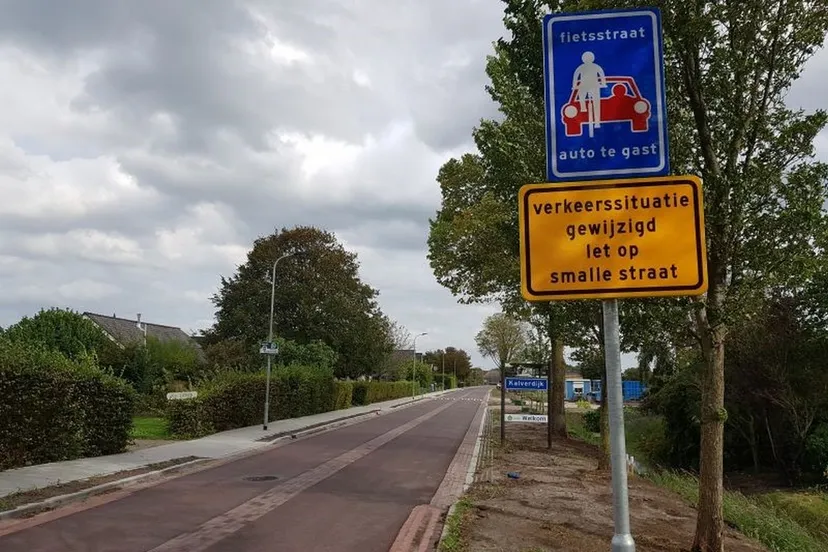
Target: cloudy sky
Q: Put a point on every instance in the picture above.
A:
(144, 145)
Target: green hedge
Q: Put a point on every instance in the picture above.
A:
(369, 392)
(450, 381)
(343, 395)
(236, 399)
(56, 409)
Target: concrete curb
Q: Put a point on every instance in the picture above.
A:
(280, 439)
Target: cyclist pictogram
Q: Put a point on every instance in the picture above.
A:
(587, 106)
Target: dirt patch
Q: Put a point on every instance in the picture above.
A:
(561, 503)
(12, 501)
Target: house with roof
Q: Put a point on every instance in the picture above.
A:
(123, 331)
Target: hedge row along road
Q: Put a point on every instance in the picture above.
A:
(346, 490)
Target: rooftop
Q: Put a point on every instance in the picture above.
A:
(126, 331)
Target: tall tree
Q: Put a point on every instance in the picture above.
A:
(319, 296)
(501, 339)
(453, 359)
(400, 336)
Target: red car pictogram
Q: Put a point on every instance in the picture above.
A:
(624, 104)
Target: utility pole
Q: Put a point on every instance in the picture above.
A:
(444, 370)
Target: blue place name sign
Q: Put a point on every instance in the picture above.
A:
(526, 384)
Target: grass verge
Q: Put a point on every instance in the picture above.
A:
(756, 517)
(782, 521)
(808, 509)
(145, 427)
(453, 539)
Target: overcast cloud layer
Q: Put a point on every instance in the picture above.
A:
(145, 145)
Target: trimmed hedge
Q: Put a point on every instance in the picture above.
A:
(236, 399)
(57, 409)
(369, 392)
(343, 395)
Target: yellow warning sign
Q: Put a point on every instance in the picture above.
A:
(605, 239)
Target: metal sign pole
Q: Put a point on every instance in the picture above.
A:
(622, 540)
(267, 394)
(502, 405)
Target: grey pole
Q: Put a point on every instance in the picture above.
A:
(270, 338)
(622, 540)
(414, 367)
(444, 371)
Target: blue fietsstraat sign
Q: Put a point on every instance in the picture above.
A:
(606, 108)
(526, 384)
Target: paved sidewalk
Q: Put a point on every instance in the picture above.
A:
(218, 445)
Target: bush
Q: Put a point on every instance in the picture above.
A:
(592, 421)
(816, 451)
(236, 399)
(187, 419)
(343, 394)
(379, 391)
(57, 409)
(369, 392)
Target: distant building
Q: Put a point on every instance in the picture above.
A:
(125, 332)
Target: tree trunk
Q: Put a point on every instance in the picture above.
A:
(604, 462)
(557, 411)
(709, 522)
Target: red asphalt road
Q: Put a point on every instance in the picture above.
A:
(347, 490)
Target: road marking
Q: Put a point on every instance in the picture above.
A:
(224, 525)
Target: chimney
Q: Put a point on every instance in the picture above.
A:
(139, 320)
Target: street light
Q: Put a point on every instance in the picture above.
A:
(270, 334)
(414, 366)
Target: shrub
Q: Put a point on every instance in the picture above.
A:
(236, 399)
(187, 419)
(379, 391)
(369, 392)
(592, 421)
(343, 394)
(57, 409)
(360, 393)
(816, 451)
(65, 331)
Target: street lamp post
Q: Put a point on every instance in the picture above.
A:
(270, 337)
(414, 367)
